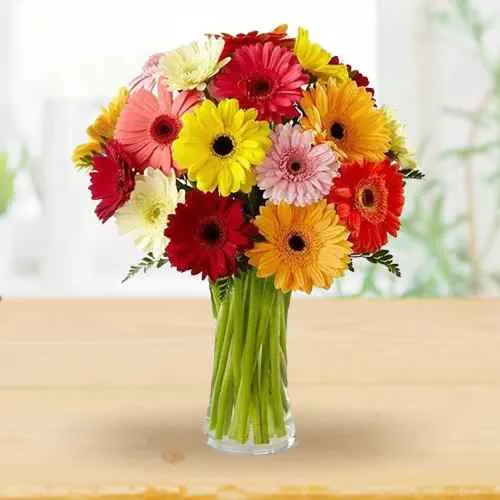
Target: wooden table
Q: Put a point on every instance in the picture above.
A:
(390, 397)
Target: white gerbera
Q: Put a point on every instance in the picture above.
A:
(145, 215)
(190, 66)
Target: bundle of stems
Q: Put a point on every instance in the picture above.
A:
(249, 386)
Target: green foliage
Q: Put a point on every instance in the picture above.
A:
(412, 173)
(222, 288)
(384, 258)
(147, 263)
(7, 178)
(219, 291)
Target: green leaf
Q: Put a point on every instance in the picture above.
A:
(6, 184)
(384, 258)
(412, 173)
(222, 288)
(148, 262)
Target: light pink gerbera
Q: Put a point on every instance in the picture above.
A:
(148, 125)
(150, 76)
(263, 76)
(296, 171)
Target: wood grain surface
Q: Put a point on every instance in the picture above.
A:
(391, 398)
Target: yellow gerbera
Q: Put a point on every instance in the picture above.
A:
(220, 144)
(398, 149)
(346, 117)
(316, 60)
(101, 130)
(82, 155)
(305, 246)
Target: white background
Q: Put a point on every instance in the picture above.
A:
(61, 59)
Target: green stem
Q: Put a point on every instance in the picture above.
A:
(222, 345)
(243, 398)
(249, 376)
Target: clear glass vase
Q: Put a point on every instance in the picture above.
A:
(249, 410)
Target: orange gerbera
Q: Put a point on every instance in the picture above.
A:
(345, 116)
(304, 247)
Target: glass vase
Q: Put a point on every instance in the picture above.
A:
(249, 410)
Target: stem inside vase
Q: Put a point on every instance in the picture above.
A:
(249, 408)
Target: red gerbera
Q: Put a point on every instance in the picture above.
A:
(369, 199)
(263, 76)
(207, 233)
(112, 179)
(277, 37)
(358, 77)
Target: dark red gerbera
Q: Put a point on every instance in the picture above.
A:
(263, 76)
(369, 199)
(278, 37)
(112, 179)
(207, 233)
(360, 79)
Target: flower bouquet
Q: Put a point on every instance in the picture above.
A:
(261, 162)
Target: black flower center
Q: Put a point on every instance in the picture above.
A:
(337, 130)
(296, 243)
(164, 129)
(223, 145)
(211, 233)
(295, 166)
(368, 198)
(260, 87)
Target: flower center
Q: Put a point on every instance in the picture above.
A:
(296, 243)
(260, 87)
(211, 233)
(223, 145)
(371, 200)
(164, 129)
(154, 213)
(337, 131)
(368, 197)
(295, 166)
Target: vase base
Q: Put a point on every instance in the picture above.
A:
(276, 445)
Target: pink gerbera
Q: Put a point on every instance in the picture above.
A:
(150, 76)
(148, 125)
(296, 170)
(263, 76)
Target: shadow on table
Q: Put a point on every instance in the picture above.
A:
(336, 438)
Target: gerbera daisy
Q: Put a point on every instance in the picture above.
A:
(148, 125)
(145, 215)
(316, 60)
(83, 153)
(190, 66)
(207, 234)
(355, 75)
(369, 199)
(219, 144)
(265, 77)
(101, 130)
(345, 116)
(111, 180)
(277, 37)
(150, 76)
(398, 150)
(304, 247)
(295, 170)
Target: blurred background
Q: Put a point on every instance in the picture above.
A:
(435, 62)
